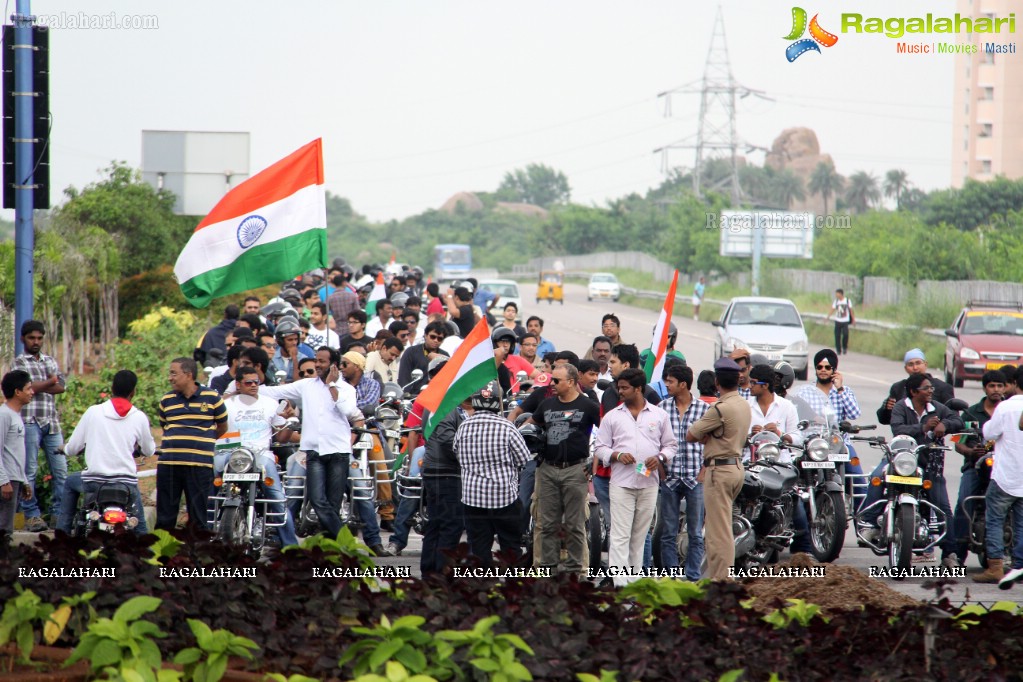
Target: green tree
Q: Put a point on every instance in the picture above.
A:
(786, 187)
(140, 217)
(862, 191)
(974, 204)
(826, 182)
(536, 184)
(895, 183)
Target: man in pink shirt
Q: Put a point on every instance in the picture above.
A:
(635, 439)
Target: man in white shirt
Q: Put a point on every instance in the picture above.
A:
(1005, 492)
(251, 418)
(780, 417)
(384, 317)
(110, 431)
(841, 308)
(320, 334)
(329, 411)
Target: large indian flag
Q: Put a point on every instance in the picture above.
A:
(468, 370)
(654, 367)
(268, 229)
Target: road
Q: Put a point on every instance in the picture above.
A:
(573, 325)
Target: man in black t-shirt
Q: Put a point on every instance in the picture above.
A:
(460, 309)
(561, 482)
(624, 356)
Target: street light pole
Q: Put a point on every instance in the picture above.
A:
(24, 162)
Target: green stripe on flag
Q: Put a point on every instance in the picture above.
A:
(467, 384)
(260, 265)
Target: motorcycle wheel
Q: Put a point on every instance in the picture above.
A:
(982, 557)
(232, 526)
(900, 545)
(827, 531)
(595, 535)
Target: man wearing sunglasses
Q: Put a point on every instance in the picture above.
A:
(419, 356)
(251, 418)
(915, 362)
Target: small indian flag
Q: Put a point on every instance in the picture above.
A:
(379, 293)
(469, 369)
(268, 229)
(229, 441)
(654, 367)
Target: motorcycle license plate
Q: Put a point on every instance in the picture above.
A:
(392, 434)
(818, 465)
(242, 477)
(839, 457)
(756, 469)
(105, 526)
(905, 480)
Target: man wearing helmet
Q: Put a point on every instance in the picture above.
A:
(784, 377)
(491, 452)
(509, 364)
(289, 349)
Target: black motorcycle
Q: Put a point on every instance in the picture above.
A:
(107, 509)
(762, 512)
(238, 513)
(975, 506)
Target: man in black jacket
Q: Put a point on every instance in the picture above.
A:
(216, 337)
(915, 363)
(442, 488)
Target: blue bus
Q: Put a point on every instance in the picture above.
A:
(451, 261)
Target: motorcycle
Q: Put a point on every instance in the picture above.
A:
(762, 512)
(974, 506)
(822, 485)
(909, 523)
(108, 509)
(237, 513)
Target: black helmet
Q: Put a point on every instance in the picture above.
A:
(758, 359)
(535, 439)
(347, 271)
(522, 418)
(418, 272)
(786, 375)
(672, 333)
(338, 263)
(502, 333)
(453, 329)
(488, 398)
(399, 300)
(274, 308)
(435, 365)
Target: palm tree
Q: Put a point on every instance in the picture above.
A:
(862, 191)
(895, 183)
(786, 187)
(826, 182)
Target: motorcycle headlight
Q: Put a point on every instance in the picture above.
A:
(969, 354)
(818, 449)
(241, 461)
(904, 463)
(769, 452)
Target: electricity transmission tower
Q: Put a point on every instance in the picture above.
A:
(716, 133)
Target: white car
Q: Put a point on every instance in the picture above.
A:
(507, 289)
(603, 285)
(771, 327)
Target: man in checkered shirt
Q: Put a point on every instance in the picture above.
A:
(42, 428)
(680, 482)
(491, 453)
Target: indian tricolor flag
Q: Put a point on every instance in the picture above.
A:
(231, 440)
(654, 367)
(469, 369)
(379, 293)
(268, 229)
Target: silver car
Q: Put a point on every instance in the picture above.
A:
(769, 326)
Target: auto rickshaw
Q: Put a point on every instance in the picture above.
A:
(549, 287)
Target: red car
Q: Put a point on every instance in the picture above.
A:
(984, 336)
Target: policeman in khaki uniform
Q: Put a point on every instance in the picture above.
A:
(723, 433)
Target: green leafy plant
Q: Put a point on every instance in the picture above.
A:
(403, 642)
(208, 661)
(732, 675)
(653, 594)
(605, 676)
(394, 672)
(122, 647)
(278, 677)
(800, 611)
(344, 545)
(17, 624)
(495, 655)
(165, 547)
(76, 609)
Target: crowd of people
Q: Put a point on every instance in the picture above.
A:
(493, 469)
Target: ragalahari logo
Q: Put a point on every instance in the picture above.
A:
(817, 36)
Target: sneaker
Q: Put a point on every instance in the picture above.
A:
(379, 550)
(1011, 577)
(36, 524)
(951, 561)
(923, 558)
(393, 549)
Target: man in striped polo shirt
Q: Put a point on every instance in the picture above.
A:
(192, 417)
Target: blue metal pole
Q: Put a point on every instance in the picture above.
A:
(24, 161)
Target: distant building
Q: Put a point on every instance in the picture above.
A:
(987, 104)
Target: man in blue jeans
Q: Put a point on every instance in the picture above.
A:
(1005, 492)
(42, 427)
(680, 483)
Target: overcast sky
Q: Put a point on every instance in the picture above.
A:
(416, 100)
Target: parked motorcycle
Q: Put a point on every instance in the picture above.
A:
(108, 509)
(238, 513)
(762, 512)
(909, 522)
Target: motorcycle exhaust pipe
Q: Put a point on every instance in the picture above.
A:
(745, 536)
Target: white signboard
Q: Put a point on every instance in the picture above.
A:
(784, 234)
(199, 167)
